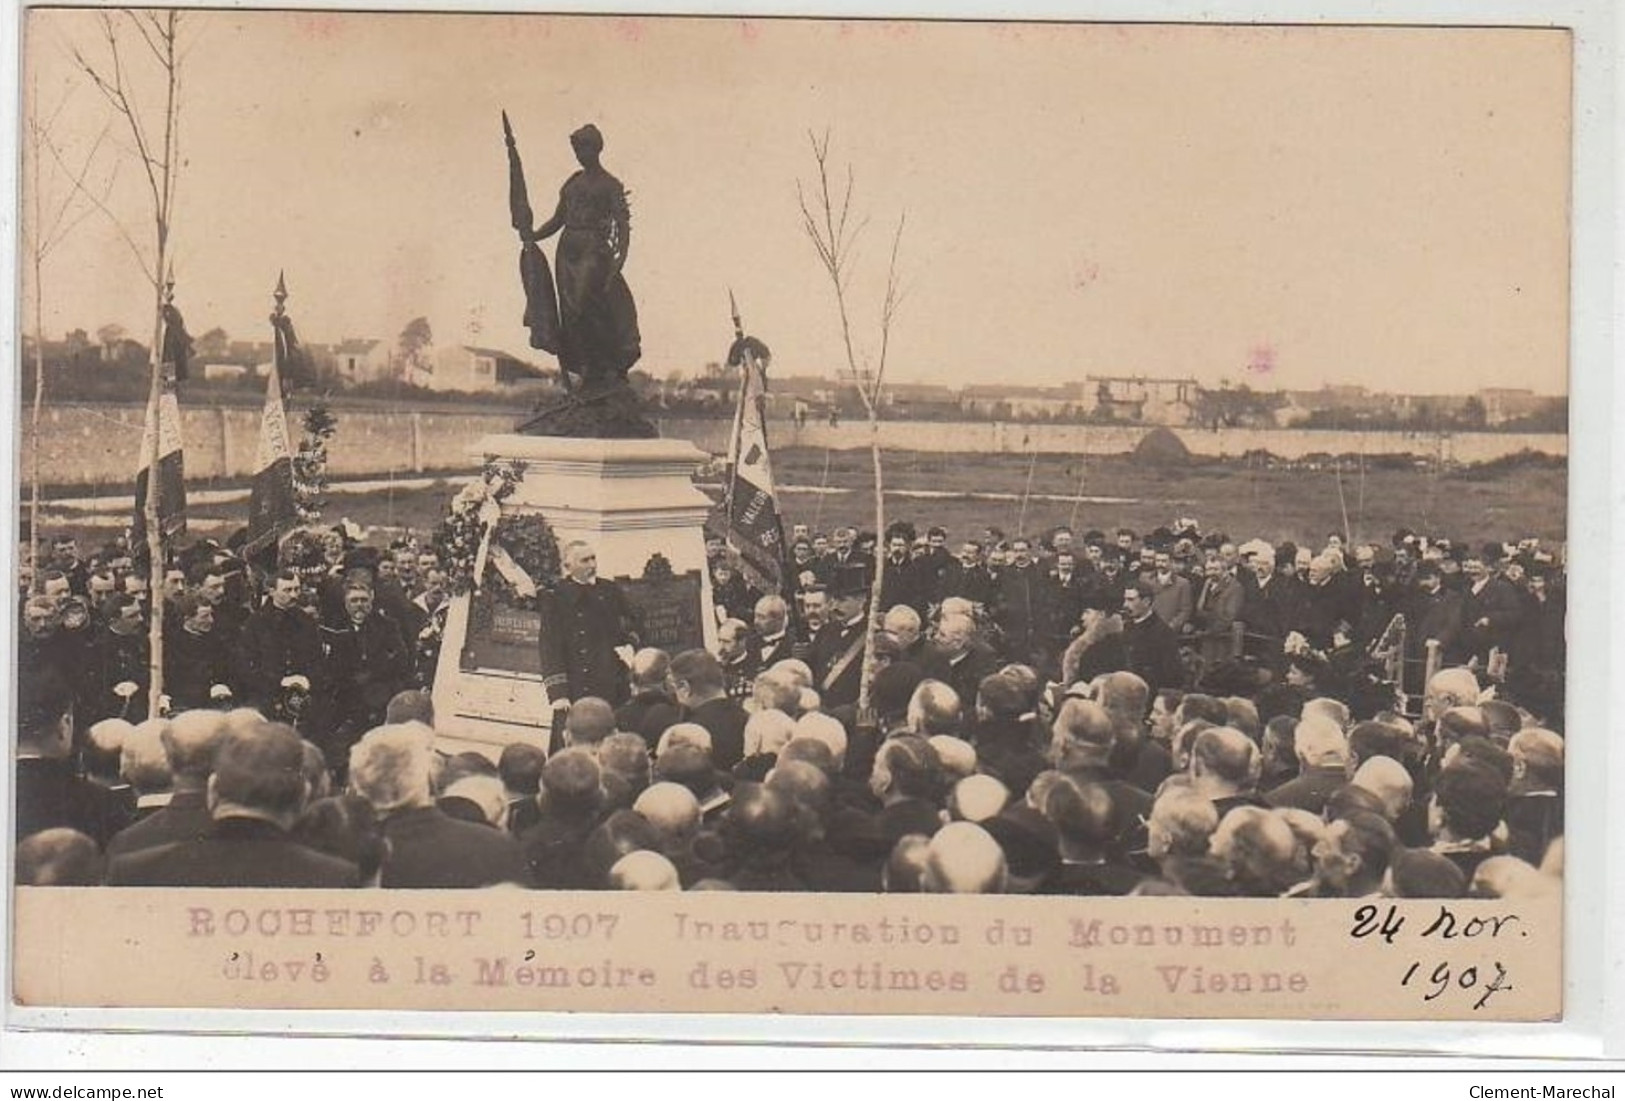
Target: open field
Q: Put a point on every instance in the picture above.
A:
(966, 493)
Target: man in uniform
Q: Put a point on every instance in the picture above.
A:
(586, 629)
(280, 640)
(367, 662)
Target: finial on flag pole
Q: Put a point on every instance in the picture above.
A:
(281, 293)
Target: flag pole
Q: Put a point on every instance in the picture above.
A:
(150, 514)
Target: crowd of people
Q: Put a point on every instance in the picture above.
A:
(1174, 714)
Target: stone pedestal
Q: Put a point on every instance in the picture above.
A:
(628, 499)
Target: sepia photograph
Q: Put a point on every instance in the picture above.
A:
(1049, 519)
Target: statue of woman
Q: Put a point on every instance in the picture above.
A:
(598, 321)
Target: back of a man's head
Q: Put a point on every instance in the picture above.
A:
(958, 757)
(190, 742)
(572, 783)
(1084, 816)
(1455, 687)
(59, 858)
(977, 798)
(1371, 838)
(701, 671)
(627, 756)
(520, 766)
(809, 751)
(672, 810)
(806, 783)
(683, 736)
(689, 766)
(776, 690)
(1000, 698)
(260, 770)
(1389, 781)
(905, 869)
(1333, 710)
(1370, 739)
(1470, 796)
(589, 722)
(934, 709)
(414, 705)
(649, 668)
(143, 762)
(768, 732)
(894, 686)
(1420, 873)
(644, 871)
(1199, 705)
(908, 767)
(963, 859)
(44, 704)
(823, 728)
(1225, 755)
(1511, 878)
(1182, 824)
(1320, 743)
(1258, 849)
(1083, 733)
(391, 768)
(762, 822)
(485, 792)
(1457, 723)
(1124, 695)
(1537, 757)
(1244, 716)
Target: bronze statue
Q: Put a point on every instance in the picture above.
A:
(592, 323)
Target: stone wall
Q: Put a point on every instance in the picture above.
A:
(98, 445)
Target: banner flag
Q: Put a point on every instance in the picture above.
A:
(753, 525)
(171, 468)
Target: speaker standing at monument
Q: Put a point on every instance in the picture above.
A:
(586, 634)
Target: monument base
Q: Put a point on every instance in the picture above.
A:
(634, 502)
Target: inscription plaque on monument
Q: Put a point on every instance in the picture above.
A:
(502, 637)
(667, 610)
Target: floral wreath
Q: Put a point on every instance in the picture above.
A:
(521, 557)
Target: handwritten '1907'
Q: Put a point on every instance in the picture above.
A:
(1387, 925)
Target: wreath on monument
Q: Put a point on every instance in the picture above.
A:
(521, 552)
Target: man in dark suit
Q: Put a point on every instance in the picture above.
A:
(427, 847)
(1061, 606)
(902, 581)
(255, 795)
(191, 740)
(366, 663)
(280, 640)
(772, 639)
(195, 657)
(1432, 612)
(1323, 766)
(1082, 736)
(1492, 610)
(697, 683)
(587, 633)
(1018, 603)
(1272, 606)
(961, 659)
(837, 651)
(1151, 645)
(850, 570)
(651, 709)
(966, 576)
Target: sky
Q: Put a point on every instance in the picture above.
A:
(1283, 207)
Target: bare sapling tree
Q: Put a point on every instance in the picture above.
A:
(153, 129)
(827, 220)
(54, 207)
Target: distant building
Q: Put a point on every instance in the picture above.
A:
(1502, 404)
(1018, 402)
(1140, 399)
(356, 361)
(473, 369)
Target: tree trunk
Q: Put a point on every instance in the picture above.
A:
(876, 612)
